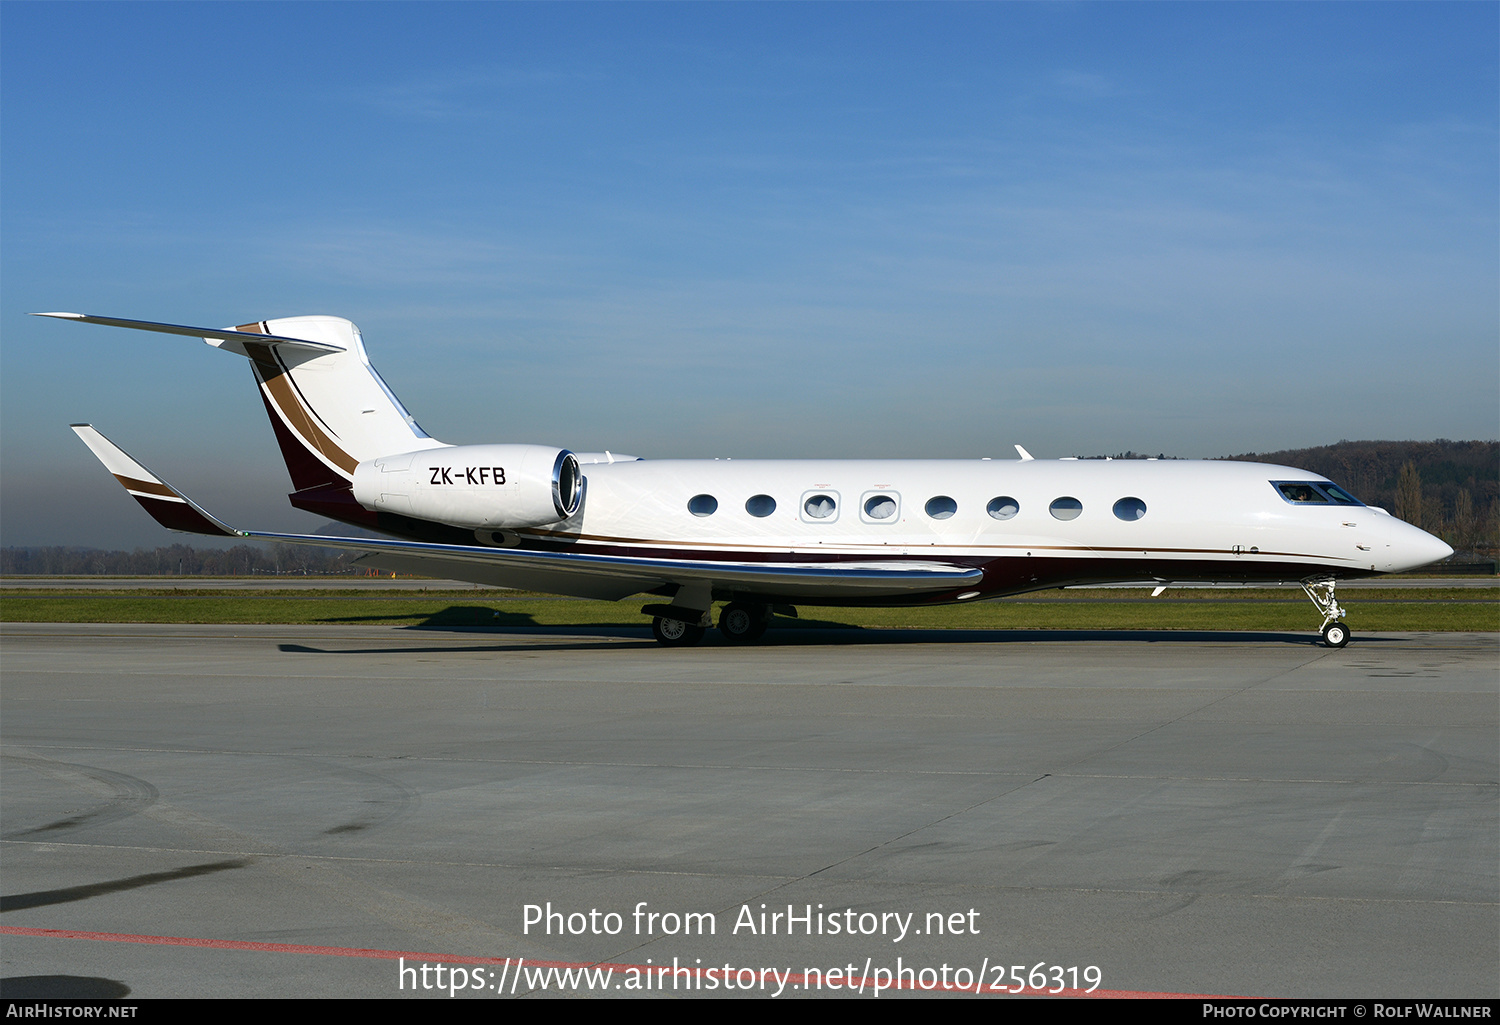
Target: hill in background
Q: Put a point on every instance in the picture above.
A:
(1449, 488)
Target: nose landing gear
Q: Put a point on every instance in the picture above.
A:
(1335, 632)
(1336, 635)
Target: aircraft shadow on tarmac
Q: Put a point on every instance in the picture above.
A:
(452, 616)
(44, 898)
(62, 987)
(808, 633)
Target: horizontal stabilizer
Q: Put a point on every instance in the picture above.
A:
(216, 333)
(166, 504)
(328, 407)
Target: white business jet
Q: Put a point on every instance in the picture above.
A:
(762, 536)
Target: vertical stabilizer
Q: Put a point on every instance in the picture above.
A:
(330, 409)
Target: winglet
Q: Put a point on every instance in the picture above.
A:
(166, 504)
(217, 334)
(1026, 457)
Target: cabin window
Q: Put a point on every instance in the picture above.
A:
(1129, 509)
(703, 505)
(941, 507)
(1065, 508)
(1003, 508)
(820, 505)
(881, 507)
(760, 505)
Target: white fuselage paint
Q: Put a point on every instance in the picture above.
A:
(1225, 513)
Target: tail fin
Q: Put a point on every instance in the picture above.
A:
(329, 408)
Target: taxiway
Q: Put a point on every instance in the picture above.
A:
(1203, 813)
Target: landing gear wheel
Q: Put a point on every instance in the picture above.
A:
(1336, 635)
(741, 623)
(1335, 631)
(674, 633)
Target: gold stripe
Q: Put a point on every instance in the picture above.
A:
(274, 379)
(146, 487)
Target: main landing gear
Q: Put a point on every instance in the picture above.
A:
(739, 622)
(1335, 631)
(674, 633)
(743, 623)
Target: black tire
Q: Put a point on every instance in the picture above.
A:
(741, 623)
(674, 633)
(1336, 635)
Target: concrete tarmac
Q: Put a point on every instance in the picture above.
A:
(232, 811)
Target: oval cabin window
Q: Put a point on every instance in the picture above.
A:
(1130, 509)
(819, 507)
(703, 505)
(760, 505)
(941, 507)
(880, 507)
(1003, 508)
(1066, 508)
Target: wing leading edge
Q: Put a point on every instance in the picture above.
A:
(575, 573)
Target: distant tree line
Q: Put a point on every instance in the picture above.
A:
(1129, 454)
(185, 560)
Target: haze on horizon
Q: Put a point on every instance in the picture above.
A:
(745, 230)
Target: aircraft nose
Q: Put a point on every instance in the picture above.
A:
(1437, 549)
(1416, 548)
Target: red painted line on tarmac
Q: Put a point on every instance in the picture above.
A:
(268, 948)
(852, 987)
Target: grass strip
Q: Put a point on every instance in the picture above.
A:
(1394, 609)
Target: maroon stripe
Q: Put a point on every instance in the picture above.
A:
(1260, 566)
(335, 501)
(306, 470)
(180, 516)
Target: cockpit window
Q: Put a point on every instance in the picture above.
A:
(1338, 494)
(1299, 493)
(1306, 492)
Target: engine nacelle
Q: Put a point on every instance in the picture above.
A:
(474, 486)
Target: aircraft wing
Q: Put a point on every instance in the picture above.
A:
(576, 573)
(166, 504)
(612, 577)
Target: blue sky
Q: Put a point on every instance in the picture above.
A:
(746, 230)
